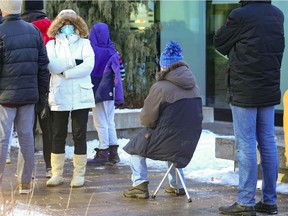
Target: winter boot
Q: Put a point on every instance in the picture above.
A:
(57, 162)
(113, 154)
(79, 162)
(100, 158)
(140, 191)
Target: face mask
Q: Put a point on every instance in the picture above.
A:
(67, 30)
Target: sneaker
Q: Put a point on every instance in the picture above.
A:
(169, 189)
(237, 209)
(100, 158)
(265, 208)
(48, 173)
(139, 191)
(24, 188)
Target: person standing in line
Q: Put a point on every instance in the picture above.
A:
(71, 62)
(108, 92)
(33, 13)
(253, 40)
(172, 119)
(285, 123)
(23, 83)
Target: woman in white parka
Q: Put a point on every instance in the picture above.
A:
(71, 62)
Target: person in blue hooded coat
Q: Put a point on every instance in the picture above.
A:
(108, 93)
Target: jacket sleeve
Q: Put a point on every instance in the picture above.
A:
(150, 112)
(85, 68)
(57, 65)
(43, 73)
(229, 34)
(119, 93)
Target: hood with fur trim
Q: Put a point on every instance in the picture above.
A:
(68, 15)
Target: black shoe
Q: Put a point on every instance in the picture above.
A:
(265, 208)
(237, 209)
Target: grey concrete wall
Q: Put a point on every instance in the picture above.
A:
(127, 124)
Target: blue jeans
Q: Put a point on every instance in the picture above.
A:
(251, 125)
(139, 172)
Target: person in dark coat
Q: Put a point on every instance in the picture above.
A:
(34, 14)
(253, 40)
(23, 83)
(172, 120)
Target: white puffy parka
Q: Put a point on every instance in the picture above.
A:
(71, 62)
(71, 90)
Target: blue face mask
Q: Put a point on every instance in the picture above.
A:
(67, 30)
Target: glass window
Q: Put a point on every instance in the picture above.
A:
(184, 22)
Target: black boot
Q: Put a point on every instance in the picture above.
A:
(113, 154)
(237, 209)
(101, 157)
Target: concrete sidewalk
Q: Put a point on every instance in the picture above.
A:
(102, 193)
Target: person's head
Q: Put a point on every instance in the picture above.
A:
(33, 5)
(10, 7)
(171, 55)
(68, 22)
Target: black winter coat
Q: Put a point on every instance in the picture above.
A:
(172, 116)
(253, 39)
(23, 65)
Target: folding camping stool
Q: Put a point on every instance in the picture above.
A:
(178, 174)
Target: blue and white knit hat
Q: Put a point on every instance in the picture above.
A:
(171, 55)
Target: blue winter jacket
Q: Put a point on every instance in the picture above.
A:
(23, 63)
(105, 76)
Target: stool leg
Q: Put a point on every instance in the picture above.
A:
(183, 183)
(166, 174)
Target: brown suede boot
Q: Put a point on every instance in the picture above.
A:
(140, 191)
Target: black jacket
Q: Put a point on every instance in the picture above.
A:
(253, 39)
(172, 116)
(23, 62)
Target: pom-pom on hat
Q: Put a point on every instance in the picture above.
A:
(11, 6)
(171, 55)
(34, 5)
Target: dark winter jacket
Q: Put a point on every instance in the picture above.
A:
(106, 73)
(253, 39)
(172, 117)
(40, 20)
(23, 65)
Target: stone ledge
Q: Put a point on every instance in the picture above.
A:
(225, 148)
(127, 122)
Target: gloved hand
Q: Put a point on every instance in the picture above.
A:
(40, 104)
(118, 105)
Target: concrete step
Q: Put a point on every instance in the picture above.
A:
(225, 148)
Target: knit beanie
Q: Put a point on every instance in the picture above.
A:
(34, 5)
(11, 6)
(171, 55)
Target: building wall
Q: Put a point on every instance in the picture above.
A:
(184, 22)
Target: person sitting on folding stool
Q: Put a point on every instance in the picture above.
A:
(172, 119)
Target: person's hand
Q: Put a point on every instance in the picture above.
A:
(118, 105)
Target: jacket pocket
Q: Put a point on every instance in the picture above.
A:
(55, 96)
(86, 92)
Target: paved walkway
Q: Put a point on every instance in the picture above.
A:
(102, 194)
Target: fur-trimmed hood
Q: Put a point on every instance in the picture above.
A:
(68, 15)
